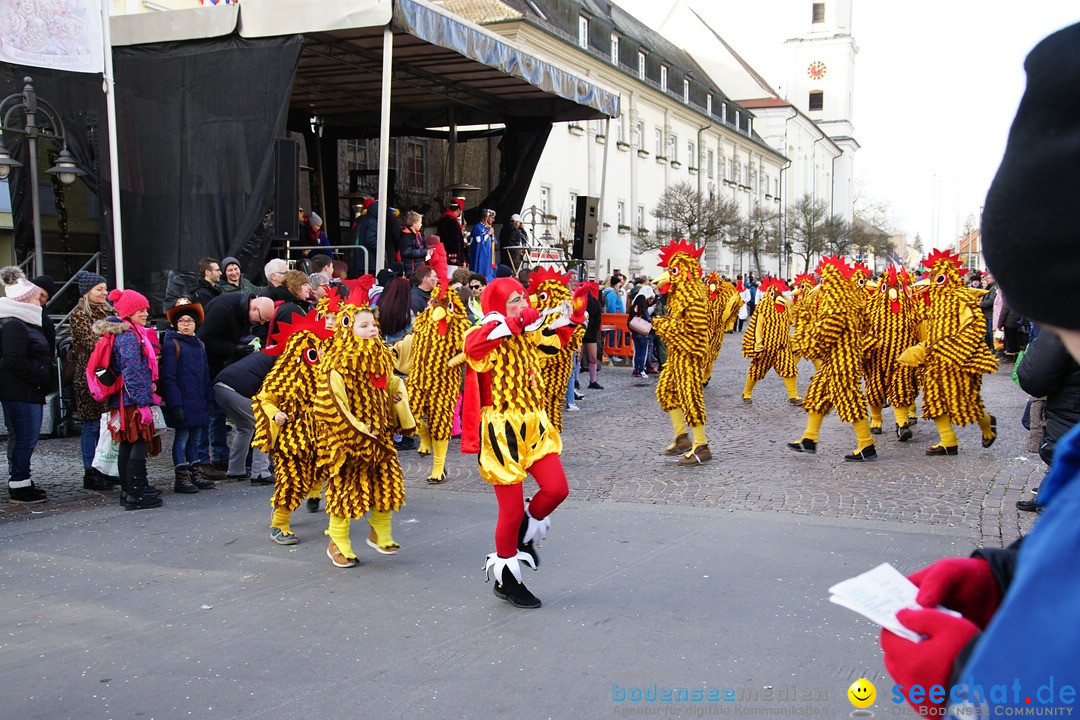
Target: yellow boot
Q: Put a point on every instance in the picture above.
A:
(865, 450)
(700, 453)
(988, 425)
(748, 389)
(792, 391)
(438, 469)
(808, 442)
(280, 532)
(380, 538)
(682, 439)
(340, 549)
(947, 443)
(903, 424)
(425, 439)
(875, 419)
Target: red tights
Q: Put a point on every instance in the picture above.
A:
(549, 475)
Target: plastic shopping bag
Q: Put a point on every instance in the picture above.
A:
(108, 450)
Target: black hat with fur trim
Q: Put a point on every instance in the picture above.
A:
(1031, 219)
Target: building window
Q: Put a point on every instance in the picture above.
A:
(691, 157)
(708, 104)
(355, 154)
(583, 31)
(621, 213)
(663, 77)
(641, 64)
(620, 132)
(776, 187)
(738, 119)
(817, 100)
(818, 13)
(615, 49)
(749, 126)
(659, 141)
(641, 216)
(545, 199)
(711, 160)
(640, 139)
(723, 112)
(685, 90)
(414, 166)
(728, 166)
(673, 148)
(573, 204)
(767, 185)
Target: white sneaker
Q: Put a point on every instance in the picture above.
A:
(572, 407)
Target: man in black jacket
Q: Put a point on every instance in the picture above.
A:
(234, 387)
(207, 287)
(227, 331)
(1048, 370)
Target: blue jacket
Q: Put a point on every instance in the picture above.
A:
(1032, 637)
(613, 301)
(131, 363)
(185, 381)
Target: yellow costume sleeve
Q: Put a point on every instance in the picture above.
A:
(401, 351)
(265, 407)
(402, 415)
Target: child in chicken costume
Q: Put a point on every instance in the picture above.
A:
(504, 421)
(284, 424)
(549, 292)
(767, 341)
(836, 337)
(894, 320)
(433, 385)
(952, 356)
(685, 331)
(724, 304)
(359, 402)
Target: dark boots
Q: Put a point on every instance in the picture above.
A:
(514, 591)
(182, 483)
(94, 480)
(527, 547)
(137, 493)
(199, 478)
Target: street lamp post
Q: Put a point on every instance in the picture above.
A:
(49, 127)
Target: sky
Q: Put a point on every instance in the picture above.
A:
(937, 83)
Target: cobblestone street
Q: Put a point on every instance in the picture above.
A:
(612, 453)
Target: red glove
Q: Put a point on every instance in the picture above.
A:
(929, 662)
(962, 584)
(528, 316)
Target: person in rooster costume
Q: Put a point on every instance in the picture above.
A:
(433, 383)
(767, 341)
(549, 292)
(359, 402)
(724, 304)
(894, 321)
(284, 425)
(685, 331)
(952, 356)
(504, 421)
(836, 338)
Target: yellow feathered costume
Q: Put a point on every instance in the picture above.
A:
(289, 388)
(836, 337)
(433, 385)
(767, 340)
(952, 356)
(549, 292)
(894, 316)
(359, 402)
(685, 332)
(724, 304)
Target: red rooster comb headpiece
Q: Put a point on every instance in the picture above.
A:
(838, 263)
(805, 278)
(299, 323)
(773, 284)
(542, 275)
(681, 246)
(863, 268)
(932, 259)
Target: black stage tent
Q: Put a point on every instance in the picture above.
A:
(203, 93)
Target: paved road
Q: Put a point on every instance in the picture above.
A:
(707, 578)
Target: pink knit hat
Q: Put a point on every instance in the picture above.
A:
(128, 302)
(17, 287)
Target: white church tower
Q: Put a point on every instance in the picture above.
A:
(821, 83)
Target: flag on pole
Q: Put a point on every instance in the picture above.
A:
(58, 34)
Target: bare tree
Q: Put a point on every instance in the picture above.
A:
(837, 236)
(757, 234)
(875, 211)
(805, 219)
(684, 212)
(868, 239)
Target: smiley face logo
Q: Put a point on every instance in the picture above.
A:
(862, 693)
